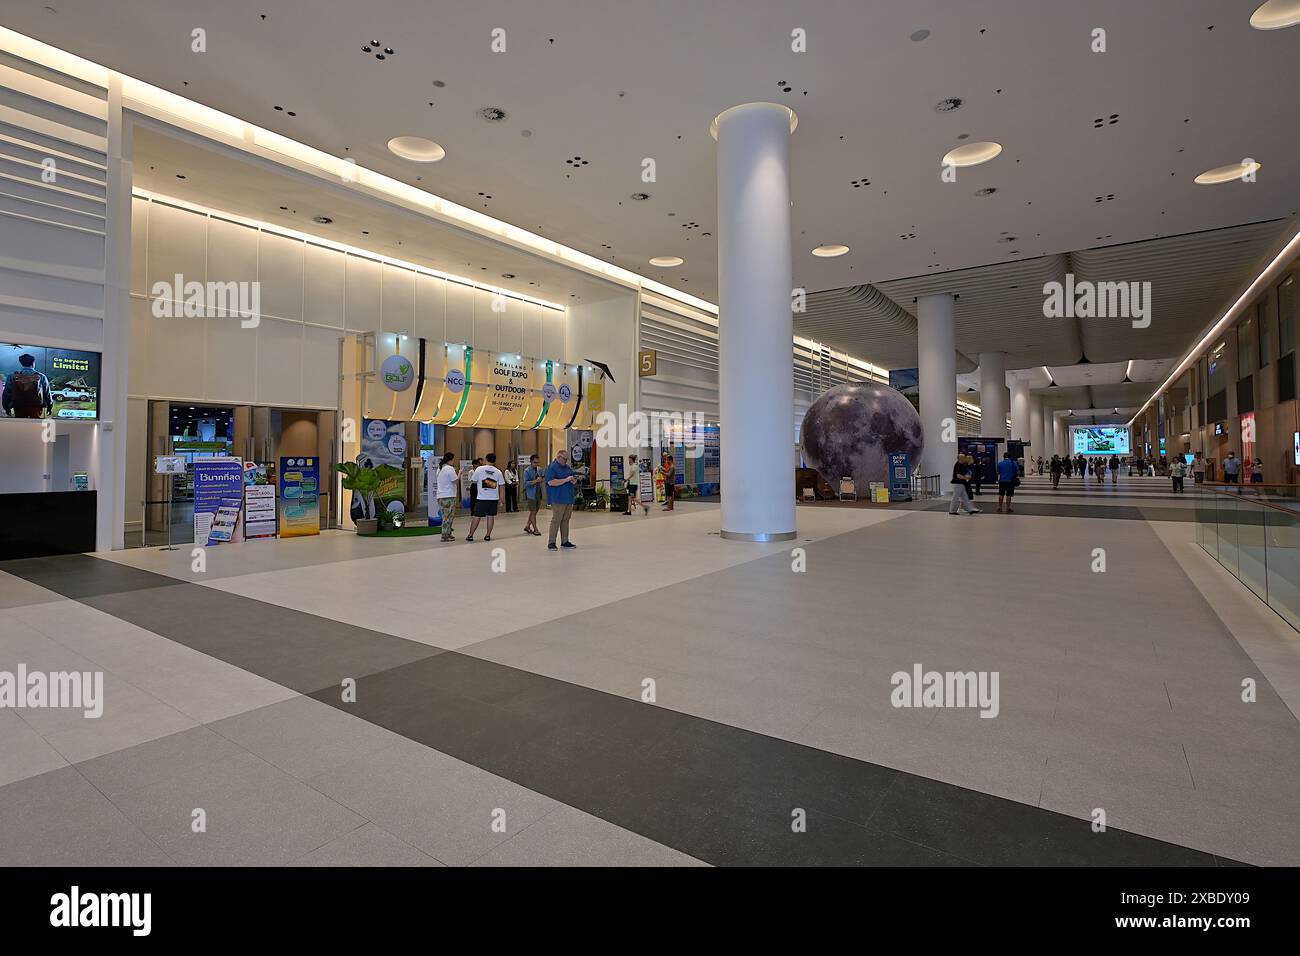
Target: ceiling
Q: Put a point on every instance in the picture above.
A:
(1190, 84)
(999, 308)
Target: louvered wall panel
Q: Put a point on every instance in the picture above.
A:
(53, 184)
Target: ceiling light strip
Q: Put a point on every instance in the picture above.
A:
(141, 193)
(1271, 272)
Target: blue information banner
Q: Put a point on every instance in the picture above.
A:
(218, 499)
(900, 477)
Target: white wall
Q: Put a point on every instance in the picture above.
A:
(606, 331)
(26, 458)
(311, 295)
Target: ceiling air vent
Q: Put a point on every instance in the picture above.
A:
(493, 114)
(949, 105)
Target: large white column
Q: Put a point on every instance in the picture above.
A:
(993, 395)
(1038, 444)
(1020, 409)
(755, 324)
(1058, 440)
(937, 372)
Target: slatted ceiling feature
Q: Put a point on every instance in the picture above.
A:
(1191, 276)
(53, 216)
(1002, 303)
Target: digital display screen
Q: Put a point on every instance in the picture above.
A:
(38, 381)
(44, 383)
(1100, 440)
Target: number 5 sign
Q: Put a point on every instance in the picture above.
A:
(647, 363)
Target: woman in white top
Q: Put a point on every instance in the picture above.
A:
(512, 489)
(445, 481)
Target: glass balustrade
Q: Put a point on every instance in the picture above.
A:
(1254, 532)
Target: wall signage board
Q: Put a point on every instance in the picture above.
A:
(218, 500)
(299, 497)
(647, 363)
(384, 443)
(168, 465)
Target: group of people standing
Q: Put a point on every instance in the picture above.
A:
(486, 483)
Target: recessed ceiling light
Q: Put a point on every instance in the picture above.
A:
(830, 251)
(322, 220)
(1276, 15)
(416, 148)
(972, 154)
(640, 197)
(667, 261)
(919, 35)
(1226, 174)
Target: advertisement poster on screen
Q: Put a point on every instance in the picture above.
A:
(1100, 440)
(218, 500)
(299, 496)
(41, 382)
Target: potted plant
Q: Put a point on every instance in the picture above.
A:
(364, 482)
(602, 498)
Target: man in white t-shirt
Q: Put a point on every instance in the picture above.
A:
(488, 480)
(444, 483)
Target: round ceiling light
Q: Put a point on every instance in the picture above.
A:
(830, 251)
(1276, 15)
(1226, 174)
(972, 154)
(416, 148)
(667, 261)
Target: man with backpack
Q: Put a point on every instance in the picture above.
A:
(27, 391)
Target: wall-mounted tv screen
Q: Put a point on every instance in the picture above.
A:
(38, 381)
(1100, 440)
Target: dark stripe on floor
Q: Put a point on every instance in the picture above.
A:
(716, 792)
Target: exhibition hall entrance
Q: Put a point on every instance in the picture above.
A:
(256, 435)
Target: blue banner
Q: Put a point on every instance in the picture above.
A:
(218, 499)
(900, 477)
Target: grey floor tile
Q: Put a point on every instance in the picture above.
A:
(367, 845)
(304, 737)
(59, 819)
(569, 837)
(256, 814)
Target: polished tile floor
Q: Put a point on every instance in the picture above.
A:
(662, 697)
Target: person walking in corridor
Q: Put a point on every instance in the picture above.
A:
(1056, 467)
(1177, 472)
(1114, 469)
(1232, 468)
(1008, 475)
(961, 488)
(446, 490)
(533, 477)
(1198, 468)
(562, 490)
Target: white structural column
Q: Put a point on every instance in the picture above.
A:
(1058, 444)
(1038, 444)
(755, 323)
(993, 395)
(937, 372)
(1020, 409)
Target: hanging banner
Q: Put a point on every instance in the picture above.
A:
(218, 500)
(299, 497)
